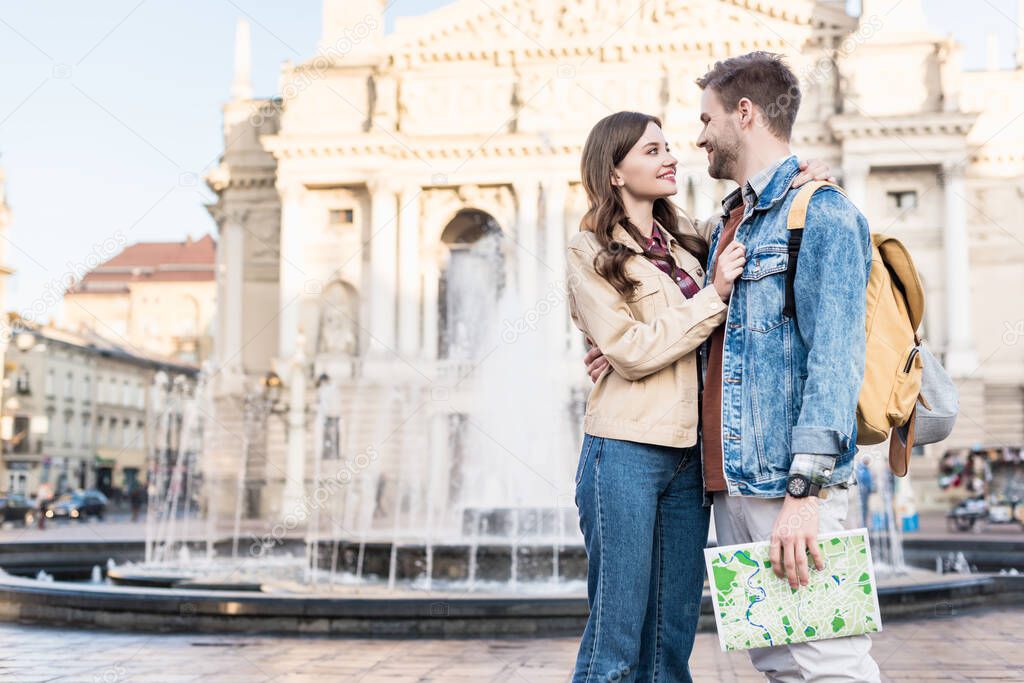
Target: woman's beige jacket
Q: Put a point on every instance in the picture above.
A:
(649, 337)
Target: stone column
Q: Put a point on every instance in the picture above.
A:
(431, 306)
(960, 358)
(383, 281)
(220, 355)
(295, 460)
(855, 183)
(409, 272)
(231, 257)
(552, 303)
(528, 256)
(290, 275)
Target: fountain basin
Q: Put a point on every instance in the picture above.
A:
(378, 612)
(434, 615)
(268, 594)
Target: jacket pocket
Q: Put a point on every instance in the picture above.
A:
(642, 302)
(765, 281)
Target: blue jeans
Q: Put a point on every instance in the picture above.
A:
(645, 527)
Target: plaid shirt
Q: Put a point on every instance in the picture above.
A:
(657, 245)
(817, 467)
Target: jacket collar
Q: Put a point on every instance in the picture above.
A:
(778, 186)
(620, 235)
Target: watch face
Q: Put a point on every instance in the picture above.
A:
(797, 486)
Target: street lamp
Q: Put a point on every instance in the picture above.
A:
(272, 387)
(25, 341)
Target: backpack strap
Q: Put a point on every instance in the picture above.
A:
(795, 222)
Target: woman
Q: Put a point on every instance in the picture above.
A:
(634, 270)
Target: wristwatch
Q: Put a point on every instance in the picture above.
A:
(800, 486)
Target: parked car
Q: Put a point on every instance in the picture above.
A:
(78, 505)
(16, 507)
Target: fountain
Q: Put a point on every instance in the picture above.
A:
(469, 492)
(884, 527)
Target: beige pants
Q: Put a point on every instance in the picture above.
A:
(741, 519)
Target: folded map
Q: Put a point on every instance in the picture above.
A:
(754, 608)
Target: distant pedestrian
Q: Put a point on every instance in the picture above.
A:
(43, 497)
(865, 486)
(135, 497)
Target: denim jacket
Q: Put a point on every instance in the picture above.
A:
(792, 386)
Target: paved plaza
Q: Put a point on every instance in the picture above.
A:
(972, 646)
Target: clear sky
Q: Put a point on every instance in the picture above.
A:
(110, 113)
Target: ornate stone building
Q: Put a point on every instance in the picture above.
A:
(347, 201)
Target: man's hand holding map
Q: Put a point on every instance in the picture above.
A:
(754, 608)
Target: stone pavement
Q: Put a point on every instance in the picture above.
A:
(973, 646)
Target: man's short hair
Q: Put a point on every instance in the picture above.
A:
(764, 79)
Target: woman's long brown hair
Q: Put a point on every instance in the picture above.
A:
(606, 146)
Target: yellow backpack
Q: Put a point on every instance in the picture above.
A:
(895, 306)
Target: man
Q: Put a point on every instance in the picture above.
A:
(780, 394)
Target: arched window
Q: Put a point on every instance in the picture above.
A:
(470, 285)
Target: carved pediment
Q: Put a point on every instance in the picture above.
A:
(547, 25)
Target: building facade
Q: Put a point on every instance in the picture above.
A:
(347, 203)
(5, 271)
(77, 412)
(158, 297)
(5, 224)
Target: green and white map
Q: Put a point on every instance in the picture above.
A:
(755, 608)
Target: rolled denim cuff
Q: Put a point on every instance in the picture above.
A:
(816, 467)
(819, 440)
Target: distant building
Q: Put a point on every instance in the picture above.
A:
(5, 271)
(5, 222)
(158, 297)
(75, 410)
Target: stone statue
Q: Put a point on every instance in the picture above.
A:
(338, 321)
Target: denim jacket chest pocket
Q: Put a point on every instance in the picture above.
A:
(764, 277)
